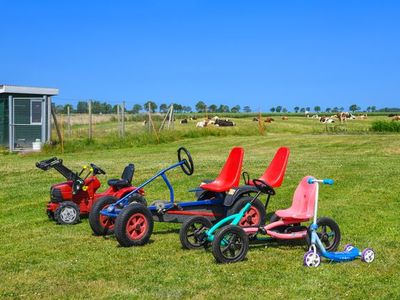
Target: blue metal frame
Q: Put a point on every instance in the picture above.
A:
(114, 209)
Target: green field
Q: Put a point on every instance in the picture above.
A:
(42, 260)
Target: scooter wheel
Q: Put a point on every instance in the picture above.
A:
(312, 259)
(368, 255)
(67, 213)
(230, 244)
(134, 225)
(348, 247)
(192, 233)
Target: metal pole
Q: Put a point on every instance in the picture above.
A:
(43, 120)
(48, 116)
(10, 123)
(123, 119)
(90, 119)
(149, 106)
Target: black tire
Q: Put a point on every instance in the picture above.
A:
(137, 198)
(192, 233)
(50, 214)
(144, 225)
(67, 213)
(237, 247)
(99, 225)
(241, 202)
(328, 232)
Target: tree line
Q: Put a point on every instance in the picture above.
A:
(99, 107)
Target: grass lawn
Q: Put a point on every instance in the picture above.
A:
(42, 260)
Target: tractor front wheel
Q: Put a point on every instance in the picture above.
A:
(67, 213)
(134, 225)
(102, 225)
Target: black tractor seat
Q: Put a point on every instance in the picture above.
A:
(126, 178)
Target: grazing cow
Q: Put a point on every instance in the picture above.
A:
(202, 124)
(224, 123)
(193, 118)
(396, 118)
(362, 117)
(255, 119)
(269, 120)
(344, 116)
(314, 117)
(184, 121)
(285, 118)
(326, 120)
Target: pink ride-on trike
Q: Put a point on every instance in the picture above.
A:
(230, 243)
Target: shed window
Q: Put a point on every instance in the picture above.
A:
(36, 112)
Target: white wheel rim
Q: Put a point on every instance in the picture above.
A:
(369, 256)
(68, 214)
(313, 260)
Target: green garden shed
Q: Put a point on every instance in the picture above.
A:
(25, 116)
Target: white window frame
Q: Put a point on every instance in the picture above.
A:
(30, 100)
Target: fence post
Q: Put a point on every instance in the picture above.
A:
(149, 125)
(118, 121)
(90, 119)
(123, 119)
(69, 121)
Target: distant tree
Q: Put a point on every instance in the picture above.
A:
(284, 110)
(247, 109)
(178, 108)
(71, 108)
(278, 109)
(317, 109)
(187, 109)
(223, 108)
(335, 109)
(235, 109)
(115, 108)
(341, 108)
(328, 109)
(272, 109)
(136, 108)
(308, 109)
(153, 106)
(212, 108)
(200, 106)
(296, 109)
(373, 108)
(354, 107)
(163, 108)
(59, 109)
(82, 107)
(302, 110)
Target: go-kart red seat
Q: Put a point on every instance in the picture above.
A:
(229, 176)
(275, 172)
(302, 208)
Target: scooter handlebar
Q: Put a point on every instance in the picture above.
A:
(324, 181)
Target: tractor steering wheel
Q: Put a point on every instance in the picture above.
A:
(187, 166)
(263, 187)
(97, 170)
(77, 185)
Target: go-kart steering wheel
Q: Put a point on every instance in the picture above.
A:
(263, 187)
(187, 166)
(97, 170)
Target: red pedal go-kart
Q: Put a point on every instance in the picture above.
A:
(76, 196)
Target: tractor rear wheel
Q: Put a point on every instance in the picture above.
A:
(102, 225)
(255, 217)
(134, 225)
(67, 213)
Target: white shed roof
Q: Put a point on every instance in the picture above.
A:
(15, 89)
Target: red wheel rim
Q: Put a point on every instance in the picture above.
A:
(136, 227)
(251, 217)
(106, 222)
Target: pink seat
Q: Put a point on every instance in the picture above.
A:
(229, 176)
(275, 172)
(302, 208)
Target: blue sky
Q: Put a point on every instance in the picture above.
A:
(257, 53)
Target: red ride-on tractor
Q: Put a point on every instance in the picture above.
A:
(75, 197)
